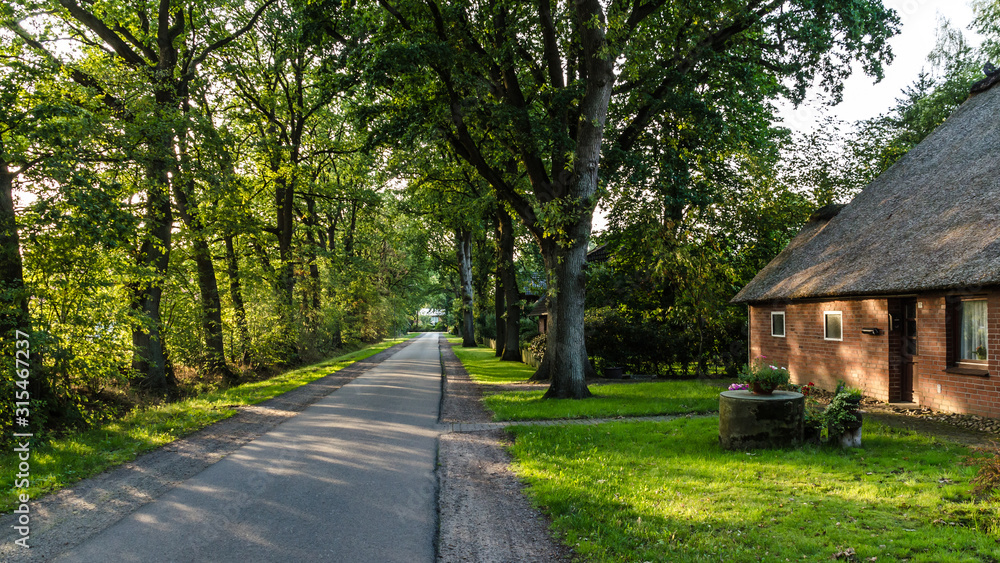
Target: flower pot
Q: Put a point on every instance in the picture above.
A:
(614, 372)
(758, 389)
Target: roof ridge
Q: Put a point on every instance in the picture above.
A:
(992, 77)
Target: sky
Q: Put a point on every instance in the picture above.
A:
(863, 98)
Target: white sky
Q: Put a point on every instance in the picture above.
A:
(862, 98)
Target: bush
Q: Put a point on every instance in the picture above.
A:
(538, 345)
(987, 479)
(637, 341)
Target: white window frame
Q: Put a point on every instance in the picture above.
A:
(784, 327)
(825, 336)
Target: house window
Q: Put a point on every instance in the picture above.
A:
(971, 331)
(833, 325)
(778, 324)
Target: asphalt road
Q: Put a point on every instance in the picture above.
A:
(349, 479)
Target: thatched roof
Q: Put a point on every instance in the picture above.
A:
(931, 221)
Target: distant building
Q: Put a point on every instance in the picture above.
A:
(435, 315)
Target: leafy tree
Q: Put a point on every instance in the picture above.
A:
(150, 54)
(954, 65)
(527, 89)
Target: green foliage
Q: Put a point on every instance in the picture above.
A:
(641, 343)
(987, 461)
(842, 412)
(667, 491)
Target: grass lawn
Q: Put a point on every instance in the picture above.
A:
(484, 367)
(666, 491)
(625, 399)
(65, 460)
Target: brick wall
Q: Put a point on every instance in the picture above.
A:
(872, 363)
(861, 360)
(952, 392)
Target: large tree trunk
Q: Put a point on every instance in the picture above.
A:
(463, 244)
(499, 308)
(566, 258)
(208, 285)
(313, 290)
(284, 200)
(148, 359)
(512, 296)
(565, 349)
(236, 294)
(13, 293)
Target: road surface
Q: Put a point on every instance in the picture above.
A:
(349, 479)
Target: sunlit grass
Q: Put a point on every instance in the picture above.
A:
(666, 491)
(625, 399)
(65, 460)
(483, 365)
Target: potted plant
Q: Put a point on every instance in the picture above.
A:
(842, 417)
(763, 377)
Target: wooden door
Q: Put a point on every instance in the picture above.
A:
(909, 349)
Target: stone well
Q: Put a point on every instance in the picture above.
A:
(748, 421)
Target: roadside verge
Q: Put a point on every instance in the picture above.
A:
(483, 513)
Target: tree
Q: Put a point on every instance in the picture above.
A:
(508, 295)
(160, 50)
(522, 89)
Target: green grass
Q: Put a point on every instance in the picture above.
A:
(666, 491)
(609, 400)
(483, 365)
(65, 460)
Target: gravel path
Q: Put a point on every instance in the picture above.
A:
(483, 513)
(65, 519)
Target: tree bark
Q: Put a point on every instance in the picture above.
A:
(566, 257)
(284, 200)
(565, 349)
(236, 294)
(208, 285)
(13, 293)
(499, 308)
(463, 244)
(148, 359)
(313, 290)
(512, 296)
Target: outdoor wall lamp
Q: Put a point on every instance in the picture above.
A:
(872, 331)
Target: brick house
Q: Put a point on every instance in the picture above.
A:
(898, 292)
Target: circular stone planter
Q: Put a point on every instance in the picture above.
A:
(748, 421)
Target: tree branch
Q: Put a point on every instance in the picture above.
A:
(104, 32)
